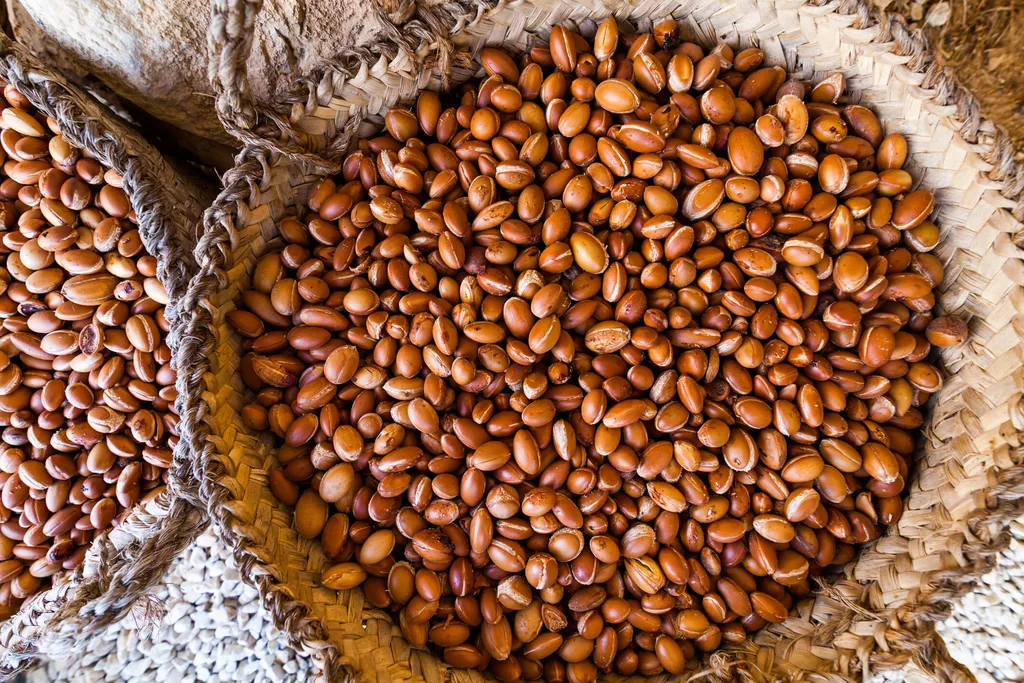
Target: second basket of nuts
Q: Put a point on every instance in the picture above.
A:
(86, 387)
(595, 363)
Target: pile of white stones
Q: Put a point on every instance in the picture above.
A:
(215, 630)
(986, 629)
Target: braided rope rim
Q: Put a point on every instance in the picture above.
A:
(115, 576)
(907, 634)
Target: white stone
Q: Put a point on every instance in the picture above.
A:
(213, 629)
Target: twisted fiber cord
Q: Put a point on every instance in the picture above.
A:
(731, 664)
(436, 21)
(398, 11)
(926, 650)
(401, 11)
(229, 41)
(58, 621)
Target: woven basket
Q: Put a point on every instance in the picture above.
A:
(121, 565)
(968, 480)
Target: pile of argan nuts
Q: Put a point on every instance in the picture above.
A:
(595, 369)
(86, 386)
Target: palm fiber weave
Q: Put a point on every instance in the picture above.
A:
(124, 563)
(968, 483)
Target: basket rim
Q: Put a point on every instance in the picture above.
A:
(251, 174)
(121, 564)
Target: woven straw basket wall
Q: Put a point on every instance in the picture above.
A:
(968, 482)
(122, 564)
